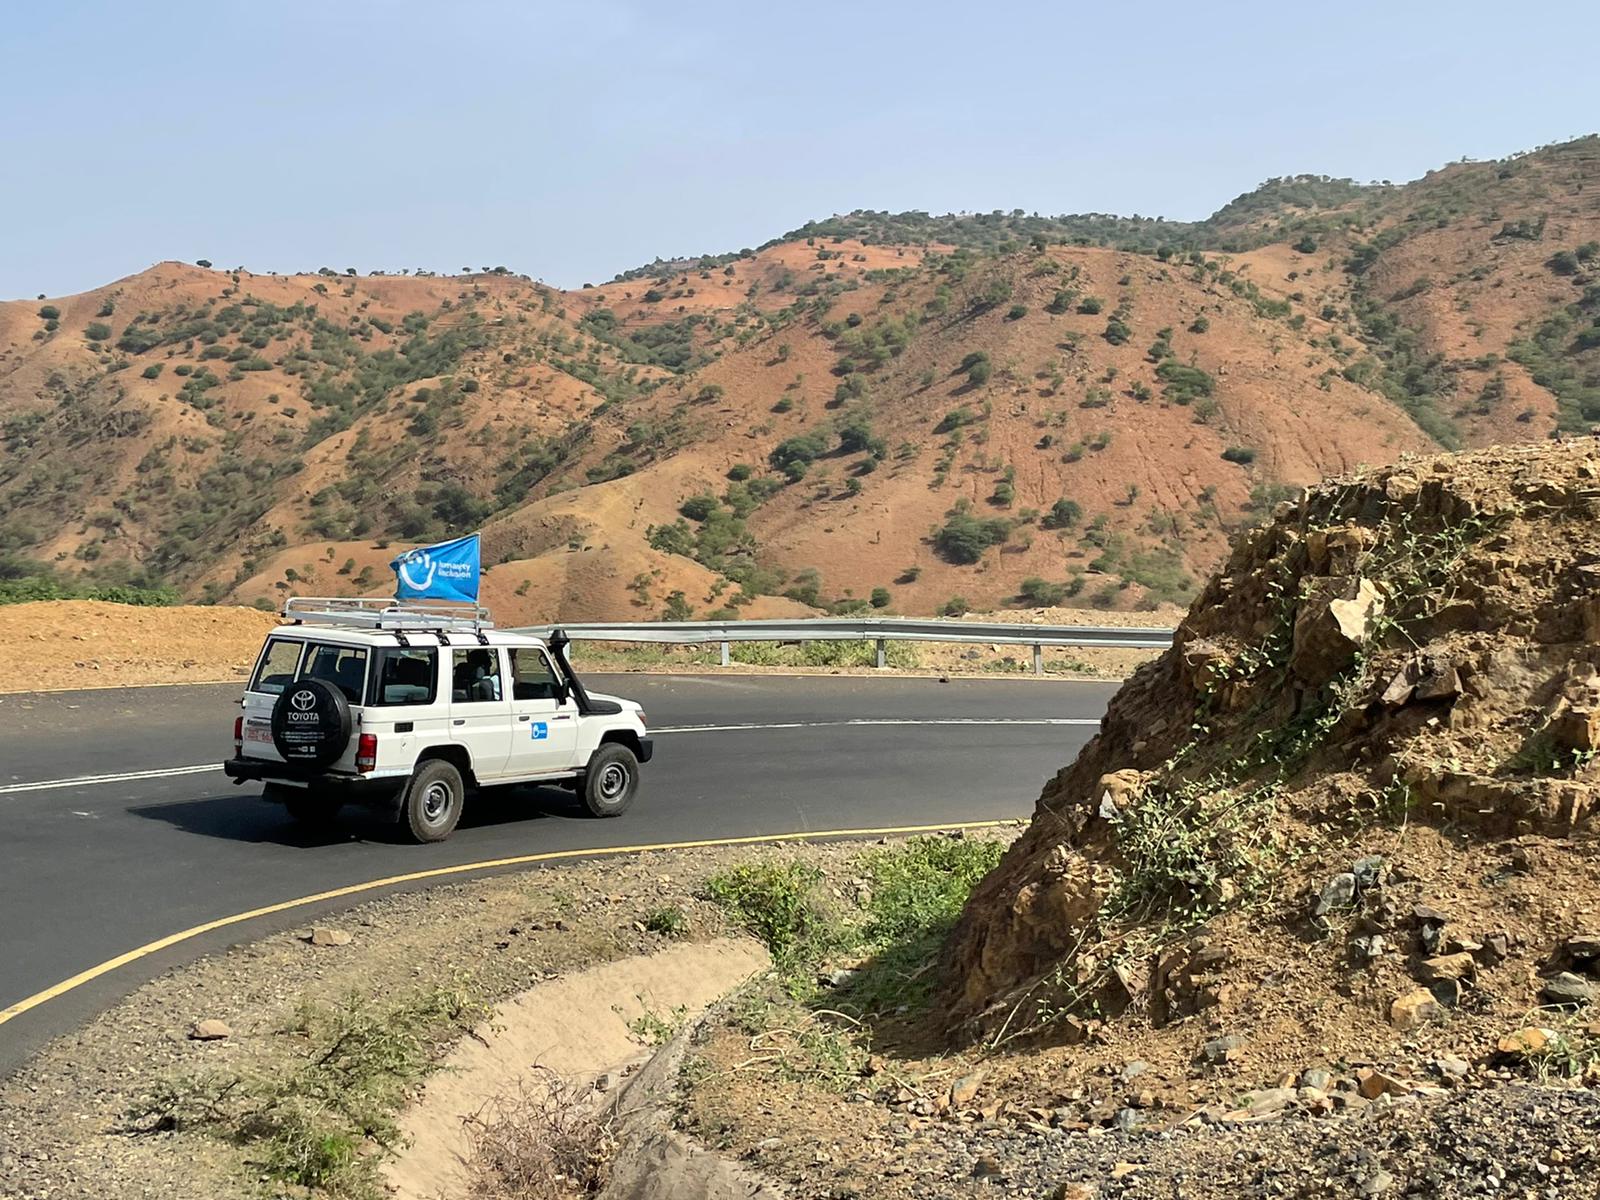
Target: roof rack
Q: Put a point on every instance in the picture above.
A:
(376, 612)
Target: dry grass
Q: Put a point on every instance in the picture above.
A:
(549, 1140)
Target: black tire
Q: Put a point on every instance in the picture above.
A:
(611, 781)
(311, 723)
(305, 805)
(430, 806)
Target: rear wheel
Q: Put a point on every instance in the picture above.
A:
(431, 803)
(305, 805)
(611, 781)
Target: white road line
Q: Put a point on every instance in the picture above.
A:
(45, 785)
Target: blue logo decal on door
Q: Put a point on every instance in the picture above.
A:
(541, 730)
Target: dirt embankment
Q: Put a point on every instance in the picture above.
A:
(54, 645)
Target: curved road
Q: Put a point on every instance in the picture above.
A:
(92, 868)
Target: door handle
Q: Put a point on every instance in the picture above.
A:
(522, 717)
(459, 721)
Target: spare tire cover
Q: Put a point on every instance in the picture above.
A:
(311, 723)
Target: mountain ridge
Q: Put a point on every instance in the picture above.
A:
(823, 422)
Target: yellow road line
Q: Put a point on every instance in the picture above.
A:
(172, 939)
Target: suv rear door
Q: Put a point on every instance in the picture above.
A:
(480, 713)
(276, 669)
(284, 660)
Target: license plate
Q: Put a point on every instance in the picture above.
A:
(258, 733)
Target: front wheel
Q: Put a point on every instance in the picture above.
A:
(611, 781)
(431, 803)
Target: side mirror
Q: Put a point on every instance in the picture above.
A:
(563, 693)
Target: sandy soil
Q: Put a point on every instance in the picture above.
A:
(577, 1028)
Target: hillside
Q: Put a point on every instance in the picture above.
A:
(941, 411)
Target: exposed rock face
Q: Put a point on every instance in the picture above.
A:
(1426, 632)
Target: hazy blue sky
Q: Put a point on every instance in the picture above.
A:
(571, 141)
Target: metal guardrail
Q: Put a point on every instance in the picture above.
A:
(881, 630)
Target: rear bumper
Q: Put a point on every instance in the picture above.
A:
(349, 787)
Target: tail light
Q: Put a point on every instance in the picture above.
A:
(367, 753)
(238, 735)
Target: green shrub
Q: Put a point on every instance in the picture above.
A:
(880, 597)
(1199, 325)
(782, 905)
(1183, 384)
(1563, 262)
(1242, 455)
(1090, 305)
(1039, 593)
(49, 312)
(678, 608)
(698, 508)
(670, 922)
(955, 419)
(956, 606)
(1063, 514)
(153, 371)
(799, 451)
(740, 472)
(1117, 332)
(1017, 312)
(963, 538)
(97, 331)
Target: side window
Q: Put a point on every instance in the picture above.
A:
(278, 665)
(406, 676)
(475, 676)
(345, 667)
(533, 676)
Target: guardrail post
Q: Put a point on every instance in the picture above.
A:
(1038, 659)
(883, 653)
(724, 653)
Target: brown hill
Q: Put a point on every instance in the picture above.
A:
(1086, 419)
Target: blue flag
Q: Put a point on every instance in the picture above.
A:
(448, 571)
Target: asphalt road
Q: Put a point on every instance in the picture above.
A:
(92, 869)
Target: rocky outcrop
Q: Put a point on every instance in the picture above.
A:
(1429, 634)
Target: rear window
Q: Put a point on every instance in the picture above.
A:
(345, 667)
(406, 676)
(278, 664)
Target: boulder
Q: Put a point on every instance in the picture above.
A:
(1339, 892)
(965, 1090)
(1269, 1101)
(1329, 631)
(1567, 989)
(1372, 1084)
(1222, 1049)
(210, 1030)
(1531, 1039)
(1456, 967)
(323, 936)
(1414, 1009)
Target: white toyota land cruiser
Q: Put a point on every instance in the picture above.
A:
(408, 705)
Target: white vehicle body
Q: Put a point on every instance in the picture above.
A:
(420, 684)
